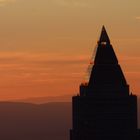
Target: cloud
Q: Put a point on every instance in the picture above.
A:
(23, 65)
(4, 2)
(75, 3)
(34, 72)
(138, 17)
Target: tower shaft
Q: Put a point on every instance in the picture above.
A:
(105, 109)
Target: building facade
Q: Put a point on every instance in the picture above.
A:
(105, 108)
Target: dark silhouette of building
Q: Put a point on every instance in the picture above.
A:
(105, 108)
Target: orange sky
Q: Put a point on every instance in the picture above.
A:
(45, 45)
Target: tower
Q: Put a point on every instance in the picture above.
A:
(105, 109)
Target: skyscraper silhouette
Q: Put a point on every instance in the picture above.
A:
(105, 109)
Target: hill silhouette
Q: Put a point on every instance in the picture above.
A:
(25, 121)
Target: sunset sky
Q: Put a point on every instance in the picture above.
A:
(46, 45)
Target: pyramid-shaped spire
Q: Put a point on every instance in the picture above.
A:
(106, 74)
(104, 36)
(105, 53)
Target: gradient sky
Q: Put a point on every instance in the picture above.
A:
(46, 45)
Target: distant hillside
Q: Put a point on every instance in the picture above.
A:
(24, 121)
(20, 121)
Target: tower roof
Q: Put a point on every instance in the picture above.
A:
(104, 36)
(106, 74)
(105, 53)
